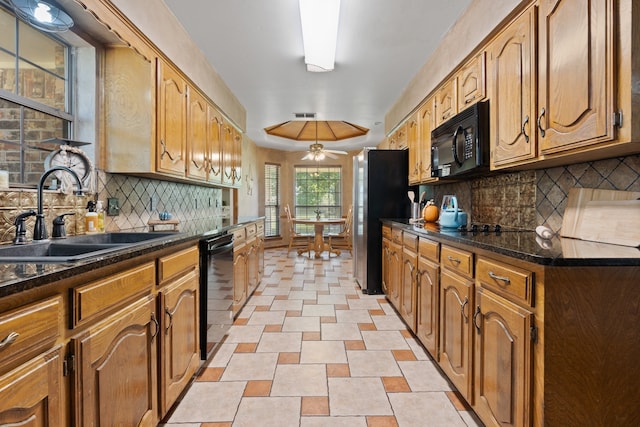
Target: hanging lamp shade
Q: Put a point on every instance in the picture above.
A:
(322, 130)
(45, 16)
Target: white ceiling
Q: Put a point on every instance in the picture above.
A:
(256, 47)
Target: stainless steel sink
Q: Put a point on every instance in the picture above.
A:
(75, 248)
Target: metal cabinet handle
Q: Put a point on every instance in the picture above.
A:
(168, 313)
(524, 130)
(504, 279)
(155, 321)
(542, 131)
(475, 316)
(9, 339)
(452, 259)
(462, 310)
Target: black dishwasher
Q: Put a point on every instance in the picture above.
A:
(216, 291)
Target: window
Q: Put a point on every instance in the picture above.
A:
(318, 189)
(34, 98)
(271, 200)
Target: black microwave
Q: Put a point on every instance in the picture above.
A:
(460, 146)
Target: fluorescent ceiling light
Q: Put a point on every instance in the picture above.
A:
(319, 33)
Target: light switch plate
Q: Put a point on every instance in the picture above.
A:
(113, 206)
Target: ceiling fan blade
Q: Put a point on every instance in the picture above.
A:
(307, 156)
(335, 151)
(330, 155)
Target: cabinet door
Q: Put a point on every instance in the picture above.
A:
(252, 266)
(427, 305)
(401, 137)
(512, 106)
(179, 338)
(576, 73)
(236, 167)
(197, 136)
(386, 265)
(502, 361)
(471, 82)
(227, 154)
(426, 125)
(172, 121)
(214, 144)
(239, 277)
(447, 101)
(414, 143)
(119, 351)
(32, 395)
(455, 330)
(408, 288)
(395, 271)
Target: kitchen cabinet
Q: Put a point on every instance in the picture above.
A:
(503, 347)
(260, 237)
(456, 328)
(513, 92)
(426, 123)
(253, 260)
(115, 382)
(398, 138)
(428, 295)
(472, 82)
(214, 147)
(575, 74)
(178, 340)
(395, 267)
(386, 258)
(446, 101)
(414, 144)
(408, 279)
(32, 394)
(198, 142)
(240, 275)
(172, 121)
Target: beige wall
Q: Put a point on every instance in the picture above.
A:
(251, 184)
(288, 160)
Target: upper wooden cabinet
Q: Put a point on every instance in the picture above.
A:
(197, 127)
(576, 74)
(512, 90)
(447, 101)
(172, 121)
(214, 137)
(472, 82)
(414, 143)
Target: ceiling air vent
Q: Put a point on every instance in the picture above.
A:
(304, 115)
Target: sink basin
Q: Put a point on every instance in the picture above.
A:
(75, 248)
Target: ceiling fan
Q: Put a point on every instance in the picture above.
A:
(317, 152)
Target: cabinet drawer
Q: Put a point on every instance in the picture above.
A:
(238, 235)
(180, 262)
(507, 280)
(27, 331)
(410, 241)
(396, 235)
(250, 230)
(260, 228)
(386, 232)
(97, 297)
(457, 260)
(428, 249)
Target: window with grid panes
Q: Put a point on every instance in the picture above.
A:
(34, 97)
(318, 189)
(271, 200)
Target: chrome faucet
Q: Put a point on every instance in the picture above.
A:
(40, 229)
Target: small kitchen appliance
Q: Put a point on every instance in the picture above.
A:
(451, 216)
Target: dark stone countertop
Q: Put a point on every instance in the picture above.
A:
(527, 246)
(20, 277)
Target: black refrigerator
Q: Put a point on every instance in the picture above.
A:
(380, 186)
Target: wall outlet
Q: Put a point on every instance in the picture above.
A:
(113, 206)
(154, 203)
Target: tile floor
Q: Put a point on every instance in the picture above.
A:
(310, 350)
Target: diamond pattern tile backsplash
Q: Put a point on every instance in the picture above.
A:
(519, 199)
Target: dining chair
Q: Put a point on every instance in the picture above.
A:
(297, 240)
(343, 240)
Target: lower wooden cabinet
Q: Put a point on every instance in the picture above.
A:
(427, 311)
(239, 277)
(408, 286)
(179, 347)
(456, 302)
(115, 382)
(502, 361)
(32, 394)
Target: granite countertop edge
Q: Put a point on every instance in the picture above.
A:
(548, 257)
(51, 272)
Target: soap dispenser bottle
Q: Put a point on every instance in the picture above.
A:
(91, 218)
(100, 212)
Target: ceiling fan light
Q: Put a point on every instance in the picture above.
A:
(42, 15)
(319, 19)
(320, 156)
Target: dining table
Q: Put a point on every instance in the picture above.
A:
(318, 246)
